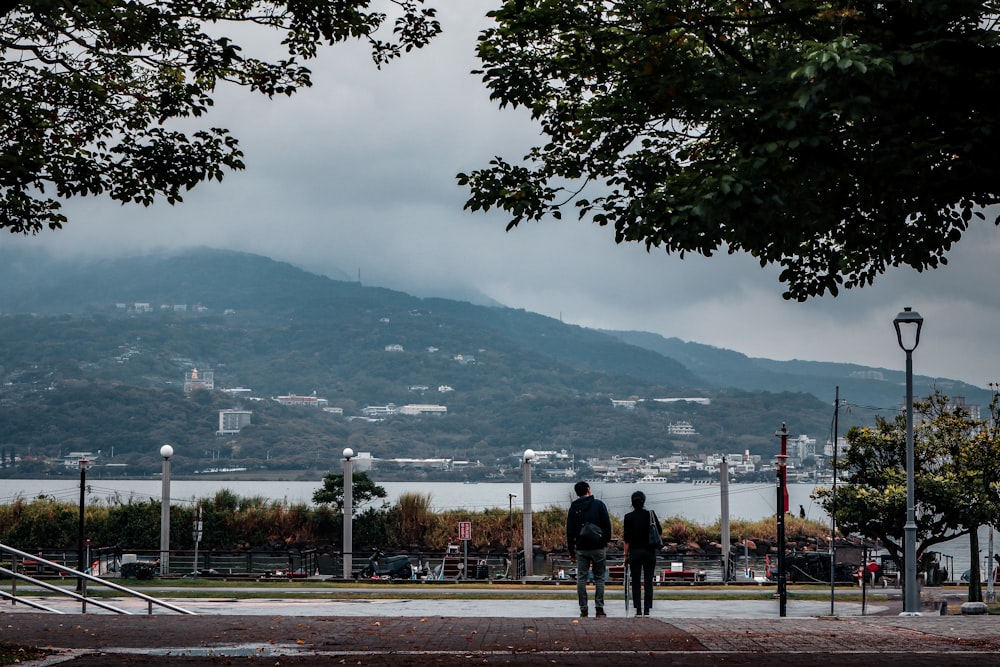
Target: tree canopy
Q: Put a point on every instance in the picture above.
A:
(956, 478)
(834, 139)
(93, 93)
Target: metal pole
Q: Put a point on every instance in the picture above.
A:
(782, 591)
(864, 582)
(348, 513)
(782, 507)
(911, 597)
(833, 499)
(991, 596)
(529, 552)
(198, 526)
(166, 451)
(746, 560)
(782, 461)
(80, 535)
(724, 489)
(908, 324)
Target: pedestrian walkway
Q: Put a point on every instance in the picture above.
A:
(415, 631)
(458, 607)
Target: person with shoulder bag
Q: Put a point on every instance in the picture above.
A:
(642, 537)
(588, 531)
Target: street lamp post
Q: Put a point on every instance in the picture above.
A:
(196, 534)
(166, 451)
(513, 532)
(348, 512)
(782, 508)
(908, 324)
(727, 563)
(529, 551)
(782, 581)
(81, 584)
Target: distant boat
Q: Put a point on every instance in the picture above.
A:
(653, 479)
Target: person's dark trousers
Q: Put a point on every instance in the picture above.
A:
(641, 563)
(588, 560)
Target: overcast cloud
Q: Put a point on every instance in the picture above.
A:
(357, 175)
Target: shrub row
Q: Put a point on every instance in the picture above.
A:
(233, 522)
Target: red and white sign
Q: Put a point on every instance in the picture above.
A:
(465, 530)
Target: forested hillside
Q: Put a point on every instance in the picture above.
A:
(90, 370)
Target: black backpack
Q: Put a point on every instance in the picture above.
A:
(590, 536)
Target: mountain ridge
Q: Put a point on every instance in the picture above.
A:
(519, 378)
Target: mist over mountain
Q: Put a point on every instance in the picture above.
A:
(93, 357)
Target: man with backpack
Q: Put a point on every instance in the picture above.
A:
(588, 531)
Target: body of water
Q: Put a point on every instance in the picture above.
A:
(700, 503)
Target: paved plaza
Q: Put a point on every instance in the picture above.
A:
(542, 630)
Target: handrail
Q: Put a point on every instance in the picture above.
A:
(73, 594)
(59, 589)
(30, 603)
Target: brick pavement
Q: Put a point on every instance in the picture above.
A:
(95, 640)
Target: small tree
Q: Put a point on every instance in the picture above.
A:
(363, 491)
(955, 480)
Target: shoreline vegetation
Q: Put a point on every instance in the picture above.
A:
(236, 522)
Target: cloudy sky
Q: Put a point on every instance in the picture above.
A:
(356, 176)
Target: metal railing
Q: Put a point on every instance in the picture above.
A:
(80, 594)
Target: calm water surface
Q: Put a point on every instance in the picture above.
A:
(700, 503)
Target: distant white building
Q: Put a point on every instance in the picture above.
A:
(842, 447)
(624, 405)
(240, 392)
(231, 421)
(72, 460)
(379, 410)
(425, 464)
(417, 409)
(363, 461)
(681, 428)
(292, 399)
(802, 447)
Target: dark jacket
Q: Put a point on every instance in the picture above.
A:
(636, 529)
(587, 509)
